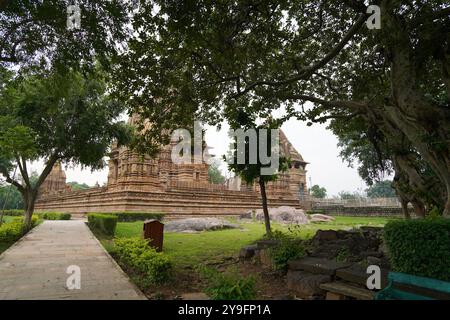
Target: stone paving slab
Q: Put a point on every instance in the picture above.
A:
(317, 265)
(35, 267)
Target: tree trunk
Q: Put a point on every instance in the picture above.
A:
(405, 209)
(262, 187)
(29, 200)
(446, 213)
(419, 208)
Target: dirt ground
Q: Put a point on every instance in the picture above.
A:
(270, 285)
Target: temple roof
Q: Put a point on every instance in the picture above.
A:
(287, 149)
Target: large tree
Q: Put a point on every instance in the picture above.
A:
(381, 189)
(214, 173)
(318, 192)
(35, 33)
(208, 57)
(378, 156)
(254, 154)
(55, 117)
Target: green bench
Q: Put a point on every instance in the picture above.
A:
(404, 286)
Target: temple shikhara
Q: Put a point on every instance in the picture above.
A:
(143, 184)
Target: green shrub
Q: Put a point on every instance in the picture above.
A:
(13, 212)
(287, 249)
(55, 215)
(103, 222)
(434, 213)
(14, 230)
(34, 219)
(136, 216)
(420, 247)
(136, 253)
(229, 286)
(11, 231)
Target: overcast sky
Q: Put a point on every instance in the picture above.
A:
(317, 146)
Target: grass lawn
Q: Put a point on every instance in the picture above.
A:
(192, 249)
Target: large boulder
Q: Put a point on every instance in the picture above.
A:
(198, 224)
(318, 217)
(284, 214)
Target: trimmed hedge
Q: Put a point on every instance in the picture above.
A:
(103, 222)
(135, 216)
(55, 215)
(13, 212)
(419, 247)
(14, 230)
(136, 254)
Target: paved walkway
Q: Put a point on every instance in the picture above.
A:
(35, 267)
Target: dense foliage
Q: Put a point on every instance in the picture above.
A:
(318, 192)
(66, 117)
(381, 189)
(214, 174)
(313, 60)
(419, 247)
(135, 216)
(13, 212)
(135, 253)
(285, 251)
(78, 186)
(54, 215)
(10, 197)
(104, 223)
(35, 33)
(14, 230)
(229, 285)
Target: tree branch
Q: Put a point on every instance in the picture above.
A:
(22, 170)
(307, 72)
(348, 104)
(11, 181)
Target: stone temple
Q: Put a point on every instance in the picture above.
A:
(143, 184)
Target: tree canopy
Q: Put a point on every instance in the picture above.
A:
(318, 191)
(78, 186)
(56, 117)
(35, 33)
(214, 173)
(313, 60)
(381, 189)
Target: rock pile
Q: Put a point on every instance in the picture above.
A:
(335, 259)
(353, 245)
(286, 214)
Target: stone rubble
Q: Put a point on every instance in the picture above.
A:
(333, 255)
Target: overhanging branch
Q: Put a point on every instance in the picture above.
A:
(307, 72)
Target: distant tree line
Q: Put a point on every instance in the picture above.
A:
(379, 189)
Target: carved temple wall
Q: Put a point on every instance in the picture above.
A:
(144, 184)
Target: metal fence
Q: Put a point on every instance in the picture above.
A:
(359, 202)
